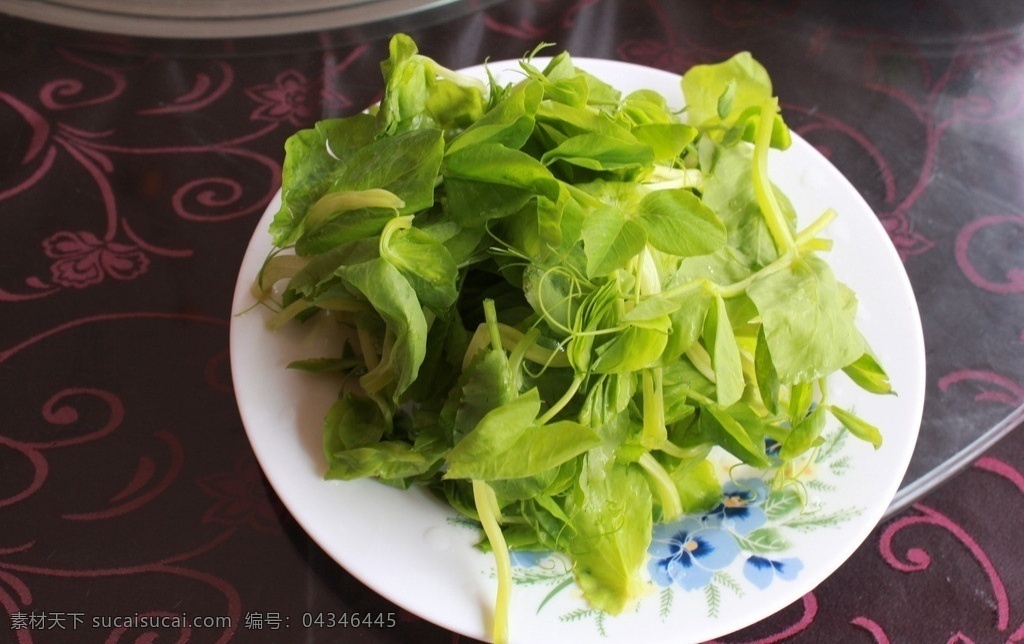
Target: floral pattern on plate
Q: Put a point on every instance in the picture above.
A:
(741, 545)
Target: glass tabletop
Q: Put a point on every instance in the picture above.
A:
(136, 169)
(226, 18)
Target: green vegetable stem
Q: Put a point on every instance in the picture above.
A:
(558, 300)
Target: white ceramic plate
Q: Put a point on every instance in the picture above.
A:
(406, 546)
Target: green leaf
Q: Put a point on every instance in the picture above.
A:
(344, 136)
(484, 386)
(678, 222)
(719, 92)
(342, 227)
(610, 241)
(599, 152)
(726, 99)
(869, 375)
(310, 157)
(463, 243)
(653, 307)
(729, 192)
(744, 127)
(566, 89)
(717, 423)
(507, 443)
(646, 107)
(420, 93)
(425, 262)
(808, 320)
(474, 203)
(611, 511)
(323, 365)
(687, 322)
(340, 202)
(800, 398)
(386, 460)
(632, 349)
(667, 141)
(698, 486)
(405, 164)
(725, 354)
(488, 181)
(805, 435)
(724, 267)
(319, 273)
(600, 94)
(390, 293)
(767, 379)
(352, 421)
(565, 120)
(497, 164)
(857, 426)
(510, 123)
(454, 105)
(554, 480)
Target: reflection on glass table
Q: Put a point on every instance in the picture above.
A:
(232, 18)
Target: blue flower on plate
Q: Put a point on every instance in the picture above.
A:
(739, 510)
(688, 553)
(527, 558)
(761, 571)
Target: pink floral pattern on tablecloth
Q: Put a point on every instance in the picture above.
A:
(289, 98)
(110, 242)
(82, 259)
(239, 498)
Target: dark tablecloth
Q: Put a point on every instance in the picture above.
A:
(133, 172)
